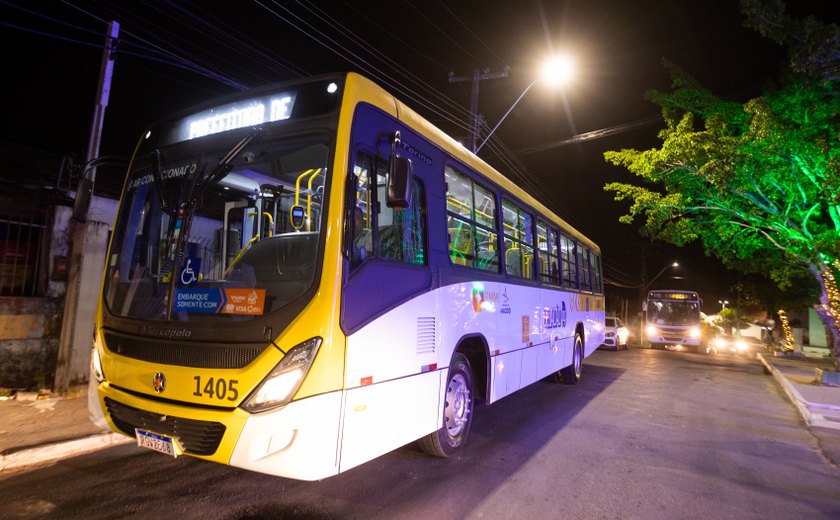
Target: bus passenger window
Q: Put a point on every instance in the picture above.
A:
(568, 252)
(584, 269)
(471, 222)
(597, 278)
(519, 240)
(548, 253)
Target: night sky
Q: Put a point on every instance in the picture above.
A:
(174, 54)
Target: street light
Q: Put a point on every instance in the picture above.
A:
(723, 304)
(675, 265)
(555, 72)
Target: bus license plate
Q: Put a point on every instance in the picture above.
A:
(157, 442)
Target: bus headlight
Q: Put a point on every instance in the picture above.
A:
(694, 332)
(651, 330)
(278, 388)
(96, 363)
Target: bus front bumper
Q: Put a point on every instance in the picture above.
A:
(299, 440)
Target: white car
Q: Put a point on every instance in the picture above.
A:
(615, 333)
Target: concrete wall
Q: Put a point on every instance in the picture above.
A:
(816, 330)
(29, 329)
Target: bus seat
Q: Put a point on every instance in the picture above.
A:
(513, 262)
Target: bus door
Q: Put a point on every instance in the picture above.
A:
(387, 247)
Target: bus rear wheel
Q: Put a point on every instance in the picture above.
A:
(457, 411)
(571, 374)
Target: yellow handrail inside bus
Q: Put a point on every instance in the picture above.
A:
(309, 198)
(271, 223)
(297, 184)
(241, 252)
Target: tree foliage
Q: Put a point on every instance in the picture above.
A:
(758, 183)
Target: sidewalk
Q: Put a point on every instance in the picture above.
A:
(819, 405)
(35, 431)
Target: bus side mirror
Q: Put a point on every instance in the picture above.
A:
(644, 306)
(400, 174)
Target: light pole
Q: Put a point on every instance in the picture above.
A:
(723, 304)
(644, 308)
(555, 72)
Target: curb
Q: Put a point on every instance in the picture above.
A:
(810, 418)
(51, 452)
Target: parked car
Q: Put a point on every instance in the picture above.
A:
(615, 333)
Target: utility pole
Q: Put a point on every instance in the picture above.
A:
(105, 74)
(88, 252)
(477, 76)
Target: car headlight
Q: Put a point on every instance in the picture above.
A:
(694, 332)
(651, 330)
(741, 345)
(719, 342)
(96, 363)
(278, 388)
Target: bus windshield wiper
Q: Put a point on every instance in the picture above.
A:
(185, 214)
(157, 177)
(221, 169)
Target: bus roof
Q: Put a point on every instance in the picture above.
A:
(404, 113)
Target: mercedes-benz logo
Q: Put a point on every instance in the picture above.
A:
(159, 382)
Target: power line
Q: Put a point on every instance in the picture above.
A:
(594, 134)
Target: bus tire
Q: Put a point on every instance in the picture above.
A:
(457, 411)
(571, 374)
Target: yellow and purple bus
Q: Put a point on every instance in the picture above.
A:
(309, 275)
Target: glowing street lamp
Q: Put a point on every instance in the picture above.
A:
(556, 72)
(674, 265)
(723, 304)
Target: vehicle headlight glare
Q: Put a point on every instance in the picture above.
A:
(694, 332)
(651, 330)
(278, 388)
(96, 363)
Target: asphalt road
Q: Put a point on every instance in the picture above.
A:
(646, 434)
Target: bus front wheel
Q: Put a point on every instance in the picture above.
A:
(571, 374)
(457, 411)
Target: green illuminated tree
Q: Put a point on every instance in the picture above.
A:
(757, 182)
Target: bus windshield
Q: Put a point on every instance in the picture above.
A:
(226, 225)
(673, 312)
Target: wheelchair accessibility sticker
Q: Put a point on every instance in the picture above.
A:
(190, 272)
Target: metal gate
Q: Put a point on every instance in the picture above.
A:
(20, 252)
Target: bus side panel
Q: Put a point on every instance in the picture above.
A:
(550, 355)
(382, 417)
(393, 381)
(506, 375)
(398, 343)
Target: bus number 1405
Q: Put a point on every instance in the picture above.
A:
(217, 388)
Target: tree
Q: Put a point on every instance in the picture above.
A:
(731, 320)
(757, 182)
